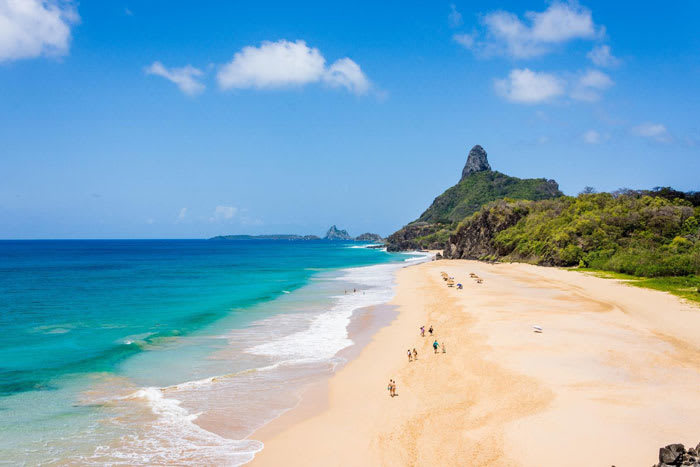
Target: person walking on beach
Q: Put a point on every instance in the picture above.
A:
(435, 346)
(410, 355)
(431, 330)
(415, 354)
(443, 348)
(393, 388)
(390, 388)
(422, 331)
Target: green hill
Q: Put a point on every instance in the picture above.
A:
(478, 186)
(637, 233)
(477, 189)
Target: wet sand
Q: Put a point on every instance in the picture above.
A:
(613, 376)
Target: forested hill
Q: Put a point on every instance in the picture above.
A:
(642, 233)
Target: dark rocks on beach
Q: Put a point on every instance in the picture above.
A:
(676, 455)
(477, 161)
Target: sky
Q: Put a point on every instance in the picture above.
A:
(174, 119)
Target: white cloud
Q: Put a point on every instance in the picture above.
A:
(529, 87)
(507, 34)
(185, 78)
(596, 79)
(465, 40)
(273, 64)
(601, 56)
(284, 63)
(589, 86)
(455, 17)
(591, 137)
(346, 73)
(31, 28)
(223, 213)
(182, 215)
(653, 131)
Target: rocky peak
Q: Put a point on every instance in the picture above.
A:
(336, 234)
(476, 162)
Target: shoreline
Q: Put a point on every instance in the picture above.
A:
(502, 394)
(364, 324)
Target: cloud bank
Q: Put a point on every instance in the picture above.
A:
(33, 28)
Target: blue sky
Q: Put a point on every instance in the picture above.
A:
(167, 119)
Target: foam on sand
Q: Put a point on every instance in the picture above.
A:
(173, 438)
(327, 332)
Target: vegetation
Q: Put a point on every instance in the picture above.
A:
(480, 188)
(687, 287)
(434, 227)
(439, 237)
(644, 234)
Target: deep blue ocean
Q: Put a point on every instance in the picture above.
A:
(80, 316)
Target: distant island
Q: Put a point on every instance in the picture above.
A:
(333, 234)
(266, 237)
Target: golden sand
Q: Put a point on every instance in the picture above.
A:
(614, 375)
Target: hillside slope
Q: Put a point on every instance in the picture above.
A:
(477, 189)
(478, 186)
(637, 233)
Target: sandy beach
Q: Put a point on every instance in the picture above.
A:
(613, 376)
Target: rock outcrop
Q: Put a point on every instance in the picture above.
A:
(336, 234)
(677, 455)
(474, 238)
(477, 161)
(369, 237)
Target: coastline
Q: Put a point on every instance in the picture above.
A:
(194, 395)
(585, 390)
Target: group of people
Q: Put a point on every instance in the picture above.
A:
(413, 356)
(436, 345)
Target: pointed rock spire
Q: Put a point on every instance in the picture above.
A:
(476, 162)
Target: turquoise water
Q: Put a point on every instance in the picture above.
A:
(88, 323)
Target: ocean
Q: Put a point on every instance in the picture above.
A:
(170, 351)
